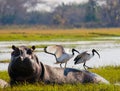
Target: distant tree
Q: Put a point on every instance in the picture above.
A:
(59, 17)
(35, 17)
(113, 10)
(10, 10)
(69, 15)
(111, 13)
(15, 11)
(91, 11)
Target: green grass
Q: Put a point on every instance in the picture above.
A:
(4, 61)
(110, 73)
(36, 34)
(66, 87)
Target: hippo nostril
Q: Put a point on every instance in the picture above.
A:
(26, 58)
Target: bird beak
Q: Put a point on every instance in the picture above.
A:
(96, 52)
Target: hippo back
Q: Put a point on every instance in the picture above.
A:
(70, 75)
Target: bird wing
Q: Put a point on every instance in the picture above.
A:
(79, 57)
(51, 49)
(58, 50)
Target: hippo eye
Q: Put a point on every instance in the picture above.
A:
(29, 51)
(17, 52)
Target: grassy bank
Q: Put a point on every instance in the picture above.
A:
(110, 73)
(4, 61)
(36, 34)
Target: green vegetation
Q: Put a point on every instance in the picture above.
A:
(110, 73)
(35, 34)
(4, 61)
(65, 87)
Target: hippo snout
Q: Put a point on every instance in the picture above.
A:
(25, 58)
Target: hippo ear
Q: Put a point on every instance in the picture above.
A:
(33, 47)
(13, 47)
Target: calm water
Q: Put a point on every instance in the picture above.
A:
(109, 51)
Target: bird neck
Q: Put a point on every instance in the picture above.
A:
(93, 52)
(48, 52)
(74, 50)
(73, 53)
(55, 57)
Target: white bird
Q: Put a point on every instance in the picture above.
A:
(84, 56)
(59, 53)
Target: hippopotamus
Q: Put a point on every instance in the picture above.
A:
(26, 67)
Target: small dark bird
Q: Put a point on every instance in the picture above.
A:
(59, 53)
(84, 56)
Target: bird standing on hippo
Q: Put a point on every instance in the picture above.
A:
(60, 55)
(84, 56)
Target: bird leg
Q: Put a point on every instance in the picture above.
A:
(86, 66)
(65, 64)
(61, 65)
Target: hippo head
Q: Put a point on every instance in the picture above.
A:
(23, 54)
(24, 65)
